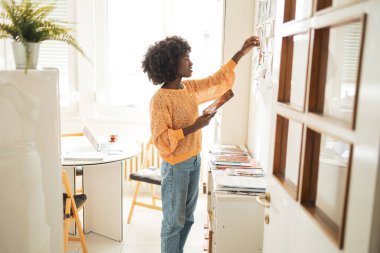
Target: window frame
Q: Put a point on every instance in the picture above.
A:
(103, 109)
(72, 108)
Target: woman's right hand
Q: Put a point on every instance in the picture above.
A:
(199, 123)
(203, 120)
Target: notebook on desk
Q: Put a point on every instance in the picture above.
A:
(83, 156)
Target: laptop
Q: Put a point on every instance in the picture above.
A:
(99, 147)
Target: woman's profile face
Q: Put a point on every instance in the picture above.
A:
(185, 66)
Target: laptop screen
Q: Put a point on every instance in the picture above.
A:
(91, 138)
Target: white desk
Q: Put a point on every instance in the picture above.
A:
(102, 183)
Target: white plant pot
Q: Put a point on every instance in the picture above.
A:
(19, 54)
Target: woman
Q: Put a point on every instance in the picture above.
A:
(175, 125)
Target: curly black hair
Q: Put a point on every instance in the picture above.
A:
(161, 61)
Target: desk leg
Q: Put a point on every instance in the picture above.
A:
(103, 211)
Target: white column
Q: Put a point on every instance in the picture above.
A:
(238, 26)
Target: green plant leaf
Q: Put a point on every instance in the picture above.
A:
(27, 22)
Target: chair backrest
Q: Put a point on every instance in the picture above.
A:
(146, 154)
(71, 134)
(150, 156)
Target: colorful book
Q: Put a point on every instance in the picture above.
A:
(257, 172)
(231, 183)
(252, 163)
(232, 158)
(223, 167)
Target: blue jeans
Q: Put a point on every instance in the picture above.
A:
(179, 193)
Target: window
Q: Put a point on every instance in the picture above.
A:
(336, 64)
(296, 10)
(130, 27)
(326, 181)
(293, 70)
(289, 134)
(115, 36)
(127, 43)
(319, 79)
(55, 54)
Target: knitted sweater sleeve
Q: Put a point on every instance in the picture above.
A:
(164, 137)
(214, 86)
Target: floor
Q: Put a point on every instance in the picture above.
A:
(143, 235)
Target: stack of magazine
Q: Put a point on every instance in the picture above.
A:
(233, 157)
(234, 170)
(239, 184)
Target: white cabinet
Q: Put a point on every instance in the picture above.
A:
(236, 222)
(30, 188)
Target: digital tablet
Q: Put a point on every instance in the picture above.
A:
(218, 103)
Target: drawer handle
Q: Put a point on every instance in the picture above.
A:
(264, 199)
(266, 219)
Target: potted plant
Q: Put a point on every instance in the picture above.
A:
(26, 23)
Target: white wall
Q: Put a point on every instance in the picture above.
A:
(246, 120)
(375, 243)
(238, 26)
(259, 124)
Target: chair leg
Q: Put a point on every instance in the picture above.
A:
(66, 226)
(80, 230)
(153, 194)
(66, 235)
(133, 202)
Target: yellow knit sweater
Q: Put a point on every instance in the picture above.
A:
(171, 110)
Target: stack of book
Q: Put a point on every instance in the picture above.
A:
(228, 150)
(234, 170)
(232, 157)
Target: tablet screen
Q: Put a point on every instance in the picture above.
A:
(218, 103)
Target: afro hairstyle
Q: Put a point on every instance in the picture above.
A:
(162, 59)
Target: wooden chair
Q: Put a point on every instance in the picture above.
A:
(151, 176)
(77, 169)
(71, 205)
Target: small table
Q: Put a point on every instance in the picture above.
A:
(103, 182)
